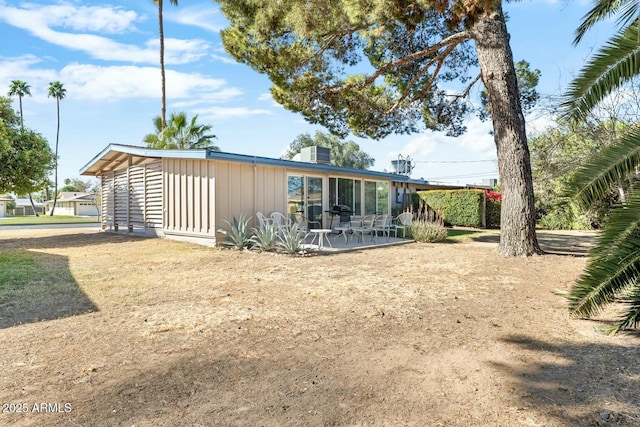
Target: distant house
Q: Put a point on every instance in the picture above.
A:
(189, 194)
(74, 204)
(4, 202)
(23, 207)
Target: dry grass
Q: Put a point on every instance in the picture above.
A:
(165, 333)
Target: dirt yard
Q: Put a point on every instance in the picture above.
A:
(105, 330)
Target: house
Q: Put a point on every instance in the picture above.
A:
(23, 206)
(4, 202)
(189, 194)
(74, 204)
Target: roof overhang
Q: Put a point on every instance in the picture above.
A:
(115, 156)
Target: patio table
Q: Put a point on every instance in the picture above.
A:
(321, 234)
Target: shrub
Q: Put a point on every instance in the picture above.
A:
(457, 207)
(237, 234)
(425, 231)
(265, 238)
(492, 213)
(290, 240)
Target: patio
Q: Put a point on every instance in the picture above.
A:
(338, 243)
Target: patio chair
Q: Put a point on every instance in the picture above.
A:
(304, 223)
(403, 221)
(367, 226)
(382, 225)
(263, 220)
(280, 221)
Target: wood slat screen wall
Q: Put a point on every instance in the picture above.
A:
(132, 197)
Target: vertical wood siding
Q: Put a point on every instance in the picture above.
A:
(189, 195)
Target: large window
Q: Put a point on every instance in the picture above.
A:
(346, 191)
(376, 197)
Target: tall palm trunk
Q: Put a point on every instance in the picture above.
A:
(517, 224)
(163, 115)
(55, 192)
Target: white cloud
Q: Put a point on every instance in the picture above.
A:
(39, 21)
(229, 112)
(206, 17)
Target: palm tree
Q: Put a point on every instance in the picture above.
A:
(57, 91)
(162, 76)
(613, 268)
(20, 88)
(181, 133)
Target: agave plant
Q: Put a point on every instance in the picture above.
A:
(237, 234)
(290, 239)
(265, 237)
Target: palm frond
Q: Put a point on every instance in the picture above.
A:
(631, 317)
(614, 263)
(602, 10)
(616, 63)
(598, 176)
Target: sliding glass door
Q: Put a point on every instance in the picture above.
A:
(304, 195)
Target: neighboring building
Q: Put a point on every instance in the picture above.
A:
(4, 202)
(74, 204)
(23, 207)
(189, 194)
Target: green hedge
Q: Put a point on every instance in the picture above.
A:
(493, 214)
(463, 208)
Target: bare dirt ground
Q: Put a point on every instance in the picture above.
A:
(123, 331)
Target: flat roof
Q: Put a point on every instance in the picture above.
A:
(114, 155)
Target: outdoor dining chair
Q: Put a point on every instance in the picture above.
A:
(263, 220)
(280, 221)
(367, 226)
(382, 225)
(403, 221)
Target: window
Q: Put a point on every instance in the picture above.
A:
(345, 191)
(376, 197)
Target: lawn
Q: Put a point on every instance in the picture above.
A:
(119, 331)
(45, 219)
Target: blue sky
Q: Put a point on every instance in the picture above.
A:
(106, 55)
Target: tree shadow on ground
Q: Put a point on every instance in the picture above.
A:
(72, 239)
(586, 373)
(551, 241)
(36, 286)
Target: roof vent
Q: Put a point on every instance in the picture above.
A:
(315, 154)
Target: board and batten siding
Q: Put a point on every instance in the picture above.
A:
(132, 198)
(189, 197)
(201, 195)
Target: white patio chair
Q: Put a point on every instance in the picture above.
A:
(280, 221)
(263, 220)
(403, 221)
(367, 226)
(382, 225)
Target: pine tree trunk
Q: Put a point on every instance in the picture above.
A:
(517, 216)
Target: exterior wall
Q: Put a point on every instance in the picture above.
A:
(189, 195)
(3, 208)
(200, 195)
(64, 208)
(132, 198)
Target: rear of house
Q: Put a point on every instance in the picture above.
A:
(189, 194)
